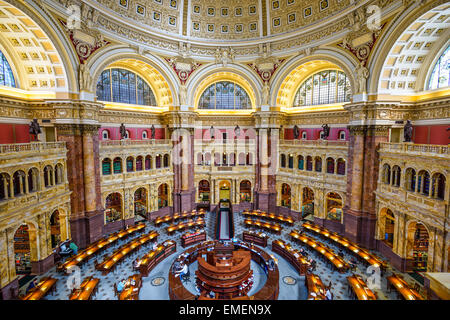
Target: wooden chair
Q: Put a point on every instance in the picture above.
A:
(116, 293)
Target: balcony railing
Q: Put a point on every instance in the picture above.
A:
(32, 146)
(127, 142)
(314, 143)
(427, 149)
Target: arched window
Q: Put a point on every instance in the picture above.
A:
(113, 207)
(33, 180)
(318, 164)
(166, 161)
(423, 182)
(6, 75)
(200, 159)
(105, 135)
(291, 161)
(341, 166)
(148, 162)
(204, 191)
(241, 159)
(249, 159)
(139, 163)
(130, 164)
(438, 186)
(286, 195)
(232, 159)
(59, 173)
(19, 182)
(245, 189)
(48, 176)
(144, 135)
(120, 85)
(440, 76)
(334, 206)
(330, 165)
(341, 135)
(386, 174)
(283, 161)
(389, 225)
(396, 175)
(117, 165)
(301, 162)
(106, 166)
(309, 163)
(410, 179)
(224, 95)
(158, 161)
(324, 87)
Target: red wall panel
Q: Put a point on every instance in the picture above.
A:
(14, 133)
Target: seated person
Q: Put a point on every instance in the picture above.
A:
(32, 285)
(133, 282)
(136, 263)
(74, 247)
(328, 295)
(121, 285)
(184, 270)
(353, 262)
(65, 251)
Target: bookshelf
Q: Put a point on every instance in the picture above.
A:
(22, 250)
(420, 249)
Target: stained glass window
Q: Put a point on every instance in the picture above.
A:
(6, 75)
(224, 95)
(120, 85)
(324, 87)
(440, 77)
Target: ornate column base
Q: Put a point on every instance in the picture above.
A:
(87, 229)
(42, 266)
(11, 290)
(359, 227)
(266, 201)
(185, 200)
(402, 264)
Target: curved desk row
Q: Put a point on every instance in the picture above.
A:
(270, 226)
(297, 260)
(44, 286)
(270, 216)
(258, 238)
(110, 262)
(177, 216)
(87, 289)
(316, 288)
(353, 248)
(339, 263)
(99, 246)
(185, 225)
(151, 259)
(131, 291)
(189, 239)
(360, 288)
(177, 291)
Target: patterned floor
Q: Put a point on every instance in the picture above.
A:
(159, 275)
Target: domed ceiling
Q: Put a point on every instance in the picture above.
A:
(223, 20)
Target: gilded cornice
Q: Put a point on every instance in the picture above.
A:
(77, 129)
(318, 118)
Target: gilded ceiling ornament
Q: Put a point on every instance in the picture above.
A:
(224, 56)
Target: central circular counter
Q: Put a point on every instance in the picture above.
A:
(225, 281)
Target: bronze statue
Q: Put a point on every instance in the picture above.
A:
(296, 132)
(407, 131)
(211, 132)
(326, 131)
(35, 129)
(123, 131)
(237, 131)
(152, 131)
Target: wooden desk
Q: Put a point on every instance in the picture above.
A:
(403, 288)
(258, 238)
(353, 248)
(131, 292)
(87, 289)
(360, 288)
(189, 239)
(271, 216)
(99, 246)
(151, 259)
(274, 227)
(110, 262)
(340, 264)
(295, 258)
(45, 286)
(177, 216)
(185, 225)
(177, 290)
(315, 284)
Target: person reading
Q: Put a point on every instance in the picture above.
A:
(121, 285)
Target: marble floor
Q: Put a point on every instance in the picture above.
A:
(293, 290)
